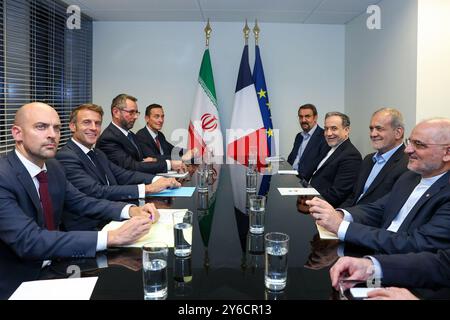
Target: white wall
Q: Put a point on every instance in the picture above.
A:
(433, 63)
(381, 67)
(159, 62)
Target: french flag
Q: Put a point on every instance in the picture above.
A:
(247, 126)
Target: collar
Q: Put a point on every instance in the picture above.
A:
(310, 132)
(381, 158)
(121, 129)
(152, 132)
(429, 181)
(82, 147)
(32, 168)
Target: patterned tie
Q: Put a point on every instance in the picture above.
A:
(98, 165)
(158, 144)
(46, 201)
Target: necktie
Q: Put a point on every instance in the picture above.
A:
(130, 137)
(46, 201)
(98, 165)
(158, 145)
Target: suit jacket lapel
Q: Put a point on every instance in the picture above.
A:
(27, 183)
(386, 169)
(152, 141)
(84, 158)
(433, 190)
(335, 154)
(400, 198)
(364, 175)
(127, 143)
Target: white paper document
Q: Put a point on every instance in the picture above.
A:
(161, 231)
(298, 192)
(173, 174)
(325, 234)
(56, 289)
(360, 293)
(291, 172)
(275, 159)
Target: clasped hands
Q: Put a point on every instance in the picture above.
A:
(324, 214)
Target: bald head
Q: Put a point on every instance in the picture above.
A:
(24, 112)
(438, 129)
(36, 131)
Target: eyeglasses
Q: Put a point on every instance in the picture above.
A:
(419, 145)
(131, 112)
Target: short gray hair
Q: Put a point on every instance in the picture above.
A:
(396, 117)
(345, 119)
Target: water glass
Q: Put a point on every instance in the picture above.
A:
(251, 179)
(202, 179)
(277, 247)
(154, 270)
(256, 216)
(182, 232)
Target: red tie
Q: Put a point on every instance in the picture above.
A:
(158, 144)
(46, 201)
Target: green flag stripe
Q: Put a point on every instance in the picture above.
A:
(206, 78)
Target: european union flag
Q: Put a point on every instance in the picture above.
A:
(264, 107)
(263, 100)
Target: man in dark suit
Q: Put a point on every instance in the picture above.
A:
(381, 169)
(412, 270)
(120, 145)
(33, 193)
(415, 215)
(337, 171)
(310, 145)
(152, 141)
(90, 171)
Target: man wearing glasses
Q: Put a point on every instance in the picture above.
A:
(119, 143)
(415, 215)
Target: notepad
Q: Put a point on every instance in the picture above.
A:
(325, 234)
(173, 174)
(179, 192)
(161, 231)
(56, 289)
(298, 192)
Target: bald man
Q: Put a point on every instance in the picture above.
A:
(415, 215)
(33, 193)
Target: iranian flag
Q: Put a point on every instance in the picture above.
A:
(204, 127)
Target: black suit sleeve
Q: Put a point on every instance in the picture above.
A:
(119, 156)
(420, 270)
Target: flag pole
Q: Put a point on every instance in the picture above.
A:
(256, 31)
(246, 31)
(207, 33)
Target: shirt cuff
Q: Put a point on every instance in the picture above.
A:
(169, 166)
(102, 240)
(141, 191)
(377, 270)
(347, 215)
(343, 230)
(125, 214)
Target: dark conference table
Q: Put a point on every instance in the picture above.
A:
(226, 261)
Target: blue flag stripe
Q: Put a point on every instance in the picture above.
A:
(245, 75)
